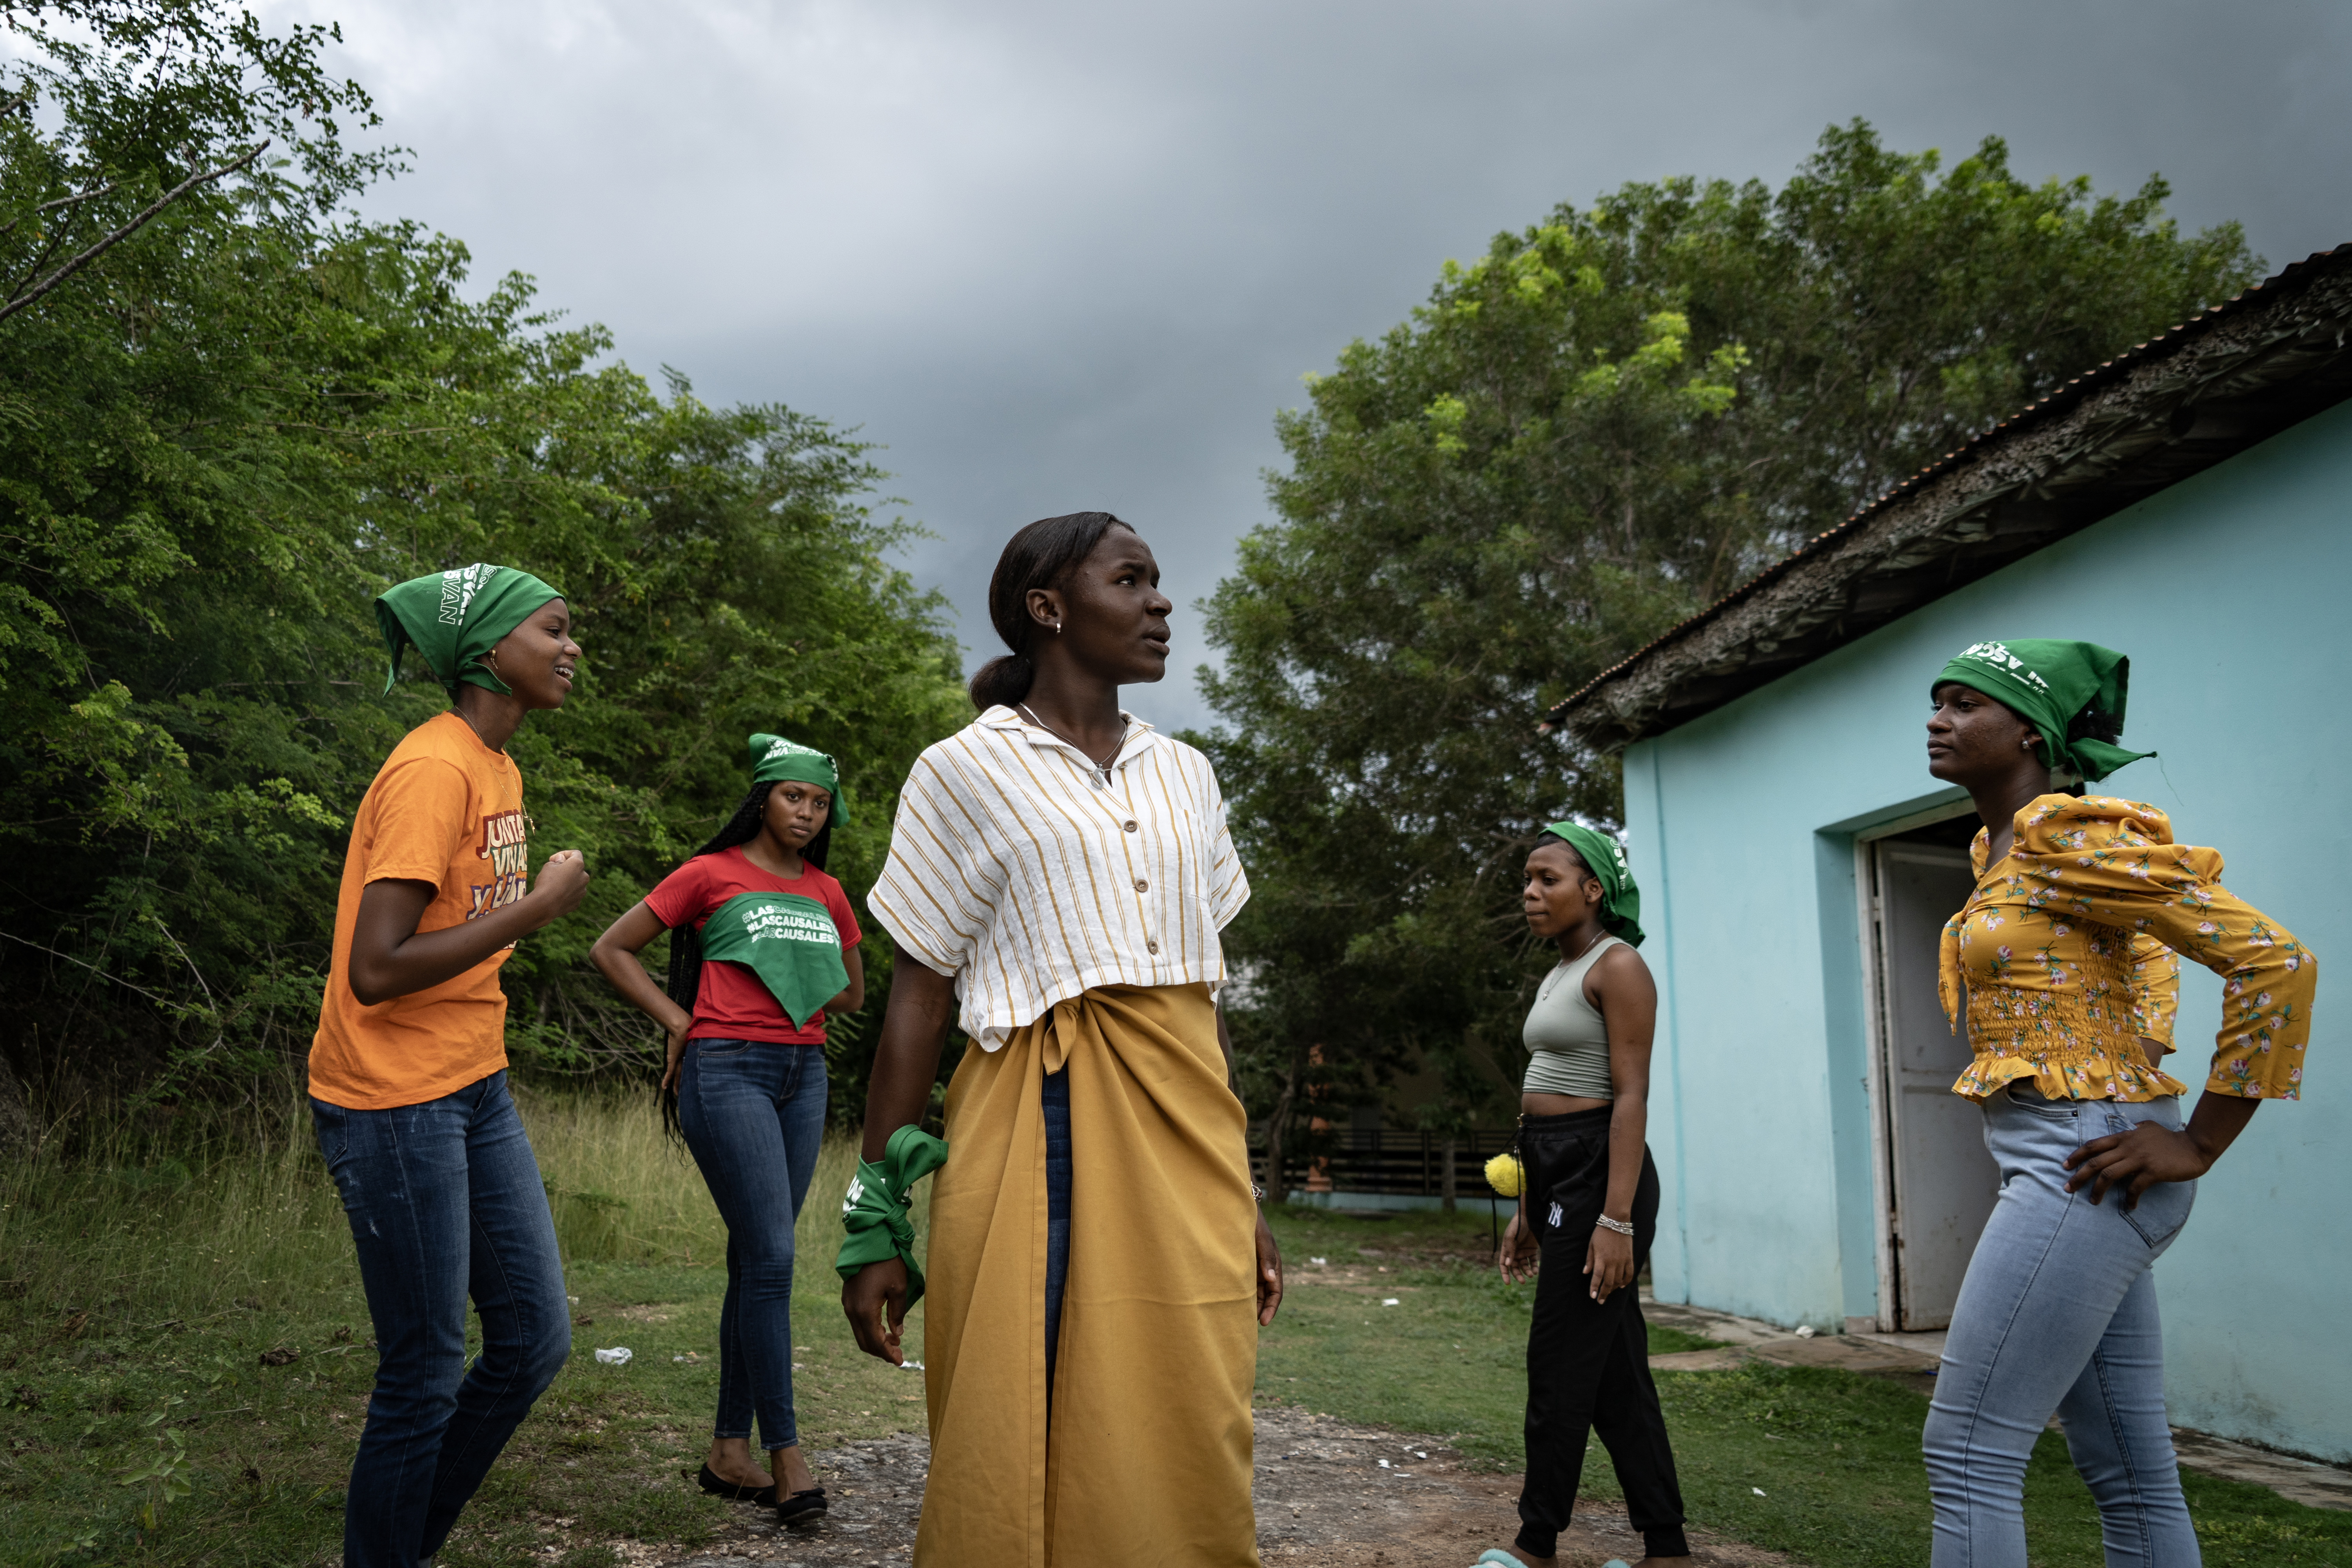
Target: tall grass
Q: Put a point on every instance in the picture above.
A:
(623, 1192)
(245, 1214)
(620, 1190)
(186, 1295)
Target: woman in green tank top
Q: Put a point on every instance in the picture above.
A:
(1587, 1204)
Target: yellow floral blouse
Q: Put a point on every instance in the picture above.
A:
(2065, 952)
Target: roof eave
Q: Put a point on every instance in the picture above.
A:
(2175, 405)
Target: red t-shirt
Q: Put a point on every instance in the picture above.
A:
(732, 1004)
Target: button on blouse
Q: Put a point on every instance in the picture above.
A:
(1030, 884)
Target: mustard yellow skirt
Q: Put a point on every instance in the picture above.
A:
(1150, 1458)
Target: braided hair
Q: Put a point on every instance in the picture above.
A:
(685, 986)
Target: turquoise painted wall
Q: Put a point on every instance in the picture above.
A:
(2229, 592)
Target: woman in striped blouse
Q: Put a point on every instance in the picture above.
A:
(1098, 1268)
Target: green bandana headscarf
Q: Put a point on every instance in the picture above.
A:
(1620, 901)
(788, 940)
(775, 759)
(874, 1211)
(2047, 684)
(456, 618)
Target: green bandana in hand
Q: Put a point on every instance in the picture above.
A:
(874, 1211)
(1620, 901)
(775, 759)
(456, 618)
(2047, 684)
(788, 940)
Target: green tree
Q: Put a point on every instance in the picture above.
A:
(1603, 424)
(218, 442)
(114, 112)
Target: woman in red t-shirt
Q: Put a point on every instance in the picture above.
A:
(763, 946)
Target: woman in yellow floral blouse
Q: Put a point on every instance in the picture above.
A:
(2062, 964)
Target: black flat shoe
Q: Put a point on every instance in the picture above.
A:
(764, 1496)
(801, 1508)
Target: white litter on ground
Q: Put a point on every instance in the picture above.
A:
(1805, 1331)
(1391, 1301)
(617, 1356)
(1758, 1490)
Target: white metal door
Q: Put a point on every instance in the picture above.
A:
(1943, 1181)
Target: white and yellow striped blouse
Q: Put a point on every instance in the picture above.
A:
(1018, 869)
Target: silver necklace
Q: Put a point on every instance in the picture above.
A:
(1102, 768)
(1553, 979)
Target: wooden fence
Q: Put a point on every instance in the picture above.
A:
(1403, 1164)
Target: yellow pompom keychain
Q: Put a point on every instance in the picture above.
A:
(1505, 1174)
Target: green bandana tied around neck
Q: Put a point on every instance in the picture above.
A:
(1620, 901)
(2047, 684)
(456, 618)
(775, 759)
(874, 1211)
(788, 940)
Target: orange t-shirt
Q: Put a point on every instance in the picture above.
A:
(444, 809)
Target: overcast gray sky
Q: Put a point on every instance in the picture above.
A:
(1063, 255)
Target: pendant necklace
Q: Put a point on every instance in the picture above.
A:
(1553, 978)
(1102, 768)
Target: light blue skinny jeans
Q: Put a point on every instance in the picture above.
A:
(2057, 1314)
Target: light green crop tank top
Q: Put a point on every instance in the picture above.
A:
(1566, 1041)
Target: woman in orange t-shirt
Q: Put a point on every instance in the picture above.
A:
(408, 1091)
(763, 946)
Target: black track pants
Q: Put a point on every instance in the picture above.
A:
(1589, 1362)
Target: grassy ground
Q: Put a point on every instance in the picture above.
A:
(183, 1361)
(1821, 1464)
(141, 1303)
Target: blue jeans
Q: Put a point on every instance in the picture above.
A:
(753, 1114)
(2058, 1314)
(445, 1202)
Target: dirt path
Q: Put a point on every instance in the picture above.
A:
(1325, 1499)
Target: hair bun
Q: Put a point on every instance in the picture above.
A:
(1001, 682)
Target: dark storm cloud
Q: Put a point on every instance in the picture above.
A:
(1065, 255)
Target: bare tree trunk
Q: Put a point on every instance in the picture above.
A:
(1445, 1189)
